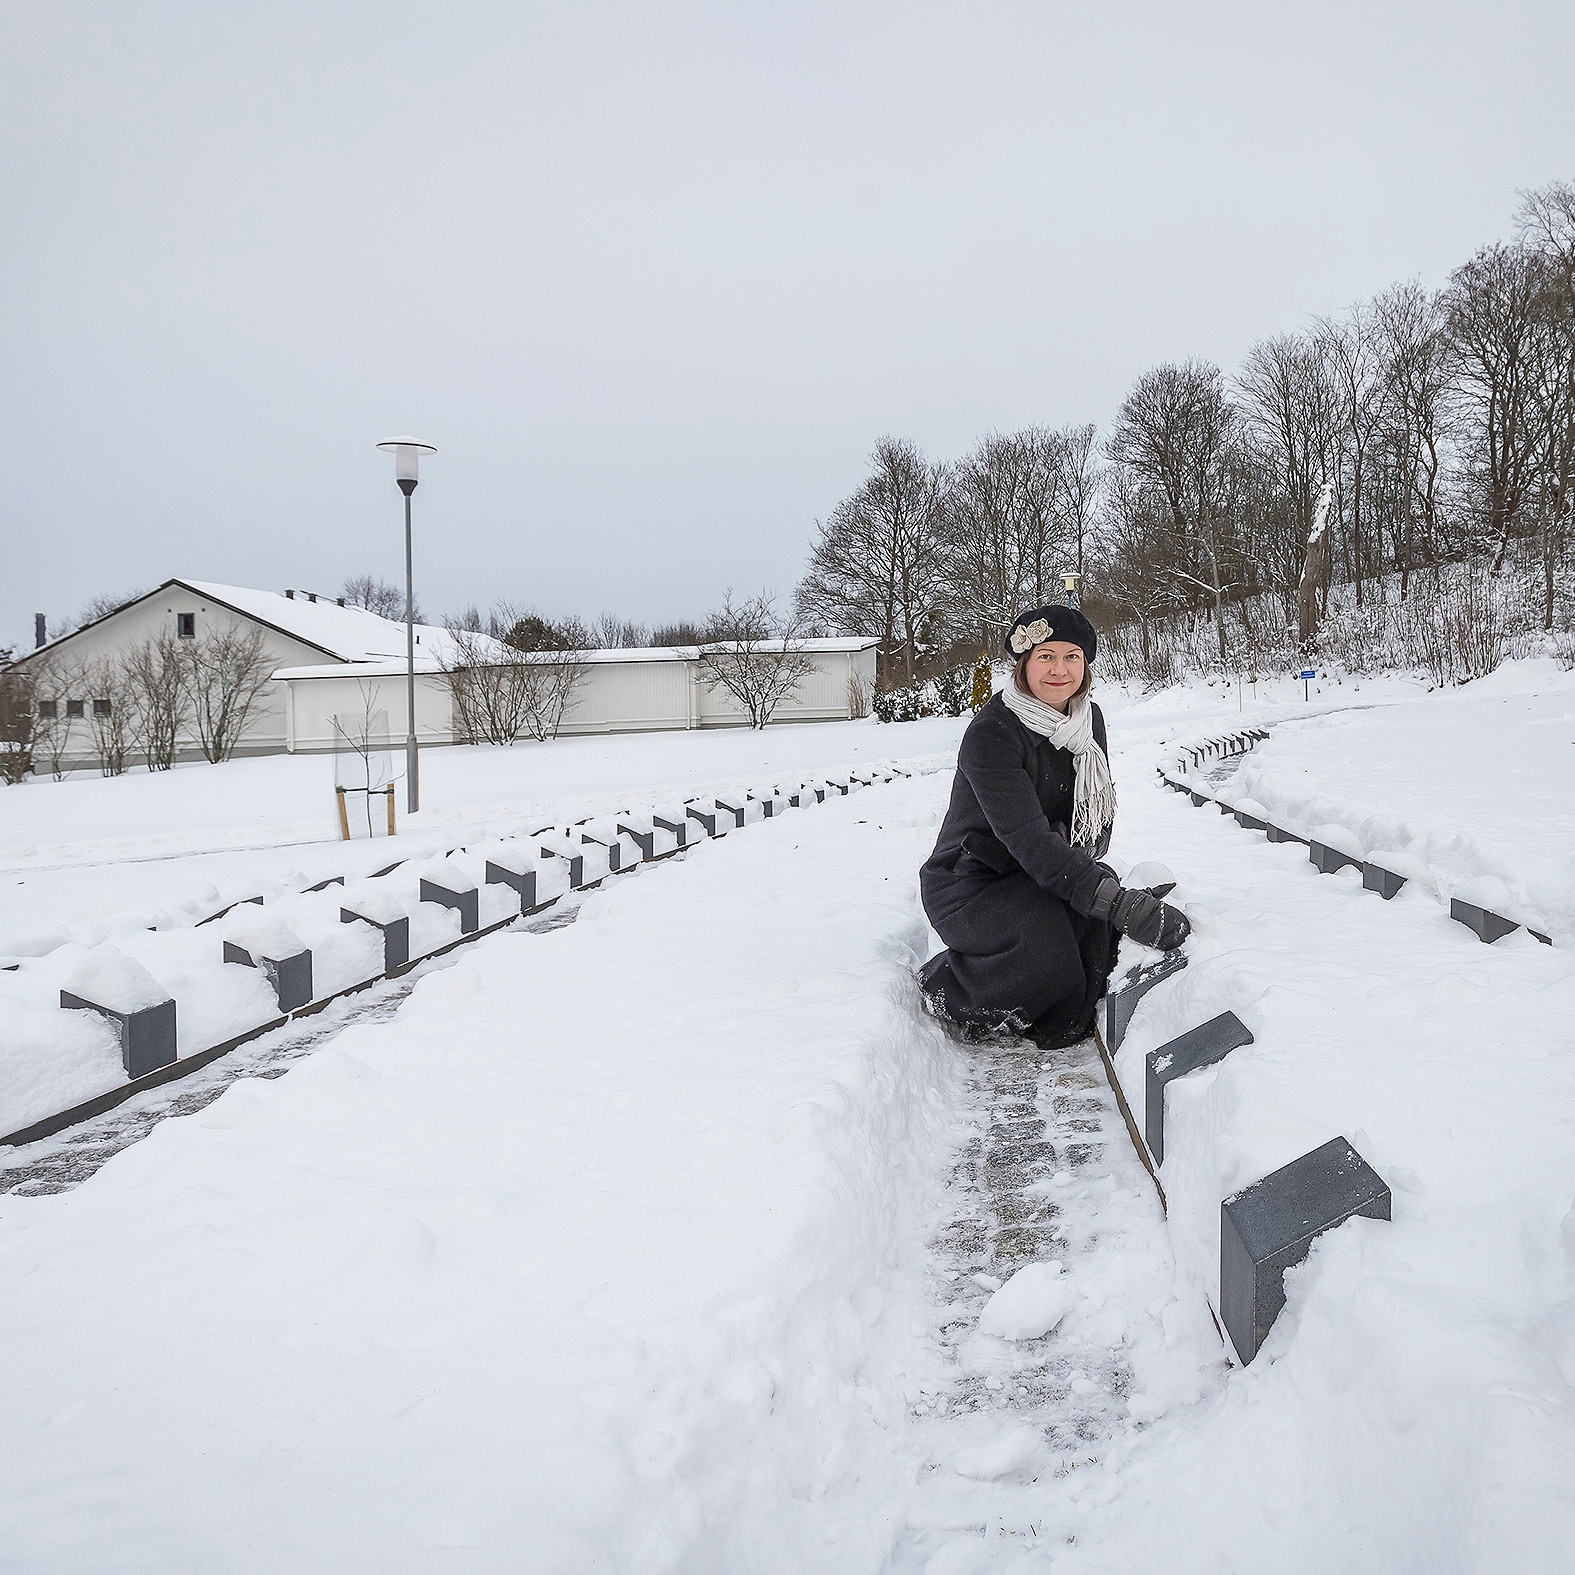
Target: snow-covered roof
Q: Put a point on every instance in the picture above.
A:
(349, 634)
(427, 656)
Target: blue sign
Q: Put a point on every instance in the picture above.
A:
(1307, 672)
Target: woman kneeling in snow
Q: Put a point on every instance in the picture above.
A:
(1031, 920)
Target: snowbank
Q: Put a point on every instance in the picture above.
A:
(1467, 783)
(605, 1249)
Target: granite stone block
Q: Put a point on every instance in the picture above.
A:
(1482, 922)
(1198, 1047)
(291, 977)
(1327, 860)
(396, 934)
(523, 881)
(466, 902)
(1269, 1227)
(147, 1035)
(1385, 882)
(1120, 1002)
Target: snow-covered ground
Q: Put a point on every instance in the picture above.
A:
(1471, 783)
(632, 1245)
(87, 851)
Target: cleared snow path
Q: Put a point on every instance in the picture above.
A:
(1046, 1176)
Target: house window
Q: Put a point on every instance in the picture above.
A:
(73, 708)
(48, 709)
(186, 625)
(101, 708)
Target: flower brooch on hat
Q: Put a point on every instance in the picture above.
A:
(1028, 636)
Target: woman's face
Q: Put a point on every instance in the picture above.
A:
(1055, 672)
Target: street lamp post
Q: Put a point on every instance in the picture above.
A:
(407, 452)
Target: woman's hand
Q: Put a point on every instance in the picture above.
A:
(1140, 914)
(1149, 921)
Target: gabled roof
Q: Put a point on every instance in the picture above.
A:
(351, 633)
(348, 634)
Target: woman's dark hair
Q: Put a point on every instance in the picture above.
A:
(1020, 676)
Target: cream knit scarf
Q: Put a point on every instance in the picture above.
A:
(1094, 795)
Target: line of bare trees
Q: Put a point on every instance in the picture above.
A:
(149, 703)
(514, 674)
(924, 554)
(1436, 428)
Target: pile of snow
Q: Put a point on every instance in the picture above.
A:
(1030, 1304)
(373, 900)
(107, 977)
(1339, 838)
(261, 933)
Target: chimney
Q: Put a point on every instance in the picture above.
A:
(311, 596)
(289, 596)
(38, 630)
(340, 600)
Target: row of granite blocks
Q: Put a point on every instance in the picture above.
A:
(581, 856)
(1331, 848)
(1270, 1225)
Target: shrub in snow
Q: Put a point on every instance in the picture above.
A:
(1030, 1304)
(953, 690)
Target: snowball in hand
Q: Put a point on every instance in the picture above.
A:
(1030, 1304)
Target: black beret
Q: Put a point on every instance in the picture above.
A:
(1051, 623)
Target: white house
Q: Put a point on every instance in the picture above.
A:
(296, 628)
(330, 660)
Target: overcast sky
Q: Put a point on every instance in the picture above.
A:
(654, 277)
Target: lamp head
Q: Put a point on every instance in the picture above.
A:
(407, 452)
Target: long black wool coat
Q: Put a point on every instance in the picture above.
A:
(1004, 883)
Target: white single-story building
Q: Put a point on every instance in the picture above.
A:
(622, 691)
(328, 660)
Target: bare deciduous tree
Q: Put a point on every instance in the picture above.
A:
(54, 725)
(1007, 536)
(517, 676)
(755, 655)
(226, 670)
(1176, 430)
(155, 674)
(1288, 407)
(1493, 306)
(18, 720)
(378, 596)
(613, 633)
(875, 565)
(676, 634)
(110, 706)
(1082, 482)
